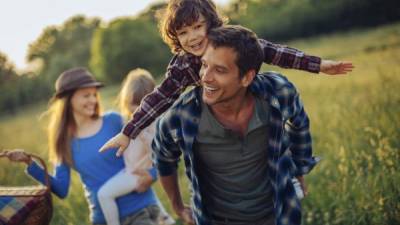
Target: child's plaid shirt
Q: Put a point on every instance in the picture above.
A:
(289, 144)
(183, 71)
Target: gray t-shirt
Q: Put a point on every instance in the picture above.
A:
(233, 173)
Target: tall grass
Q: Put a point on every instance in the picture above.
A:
(355, 122)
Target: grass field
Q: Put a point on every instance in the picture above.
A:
(355, 127)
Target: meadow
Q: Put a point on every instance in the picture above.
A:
(355, 124)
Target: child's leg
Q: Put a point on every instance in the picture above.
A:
(120, 184)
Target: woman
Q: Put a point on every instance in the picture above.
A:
(76, 132)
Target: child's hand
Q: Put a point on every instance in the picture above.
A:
(335, 67)
(120, 141)
(144, 180)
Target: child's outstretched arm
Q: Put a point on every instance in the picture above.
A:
(287, 57)
(182, 71)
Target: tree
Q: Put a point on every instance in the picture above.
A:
(61, 47)
(128, 43)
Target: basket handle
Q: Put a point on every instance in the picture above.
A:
(41, 162)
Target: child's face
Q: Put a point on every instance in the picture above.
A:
(193, 38)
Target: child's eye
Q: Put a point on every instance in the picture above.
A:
(198, 26)
(181, 33)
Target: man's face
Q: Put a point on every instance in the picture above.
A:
(220, 76)
(193, 38)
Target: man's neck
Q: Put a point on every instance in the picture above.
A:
(235, 116)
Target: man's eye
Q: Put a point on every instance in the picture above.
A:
(220, 70)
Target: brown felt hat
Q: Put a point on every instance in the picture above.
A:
(73, 79)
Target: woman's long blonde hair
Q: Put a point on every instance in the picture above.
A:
(62, 127)
(137, 84)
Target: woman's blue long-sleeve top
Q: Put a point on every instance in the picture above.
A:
(95, 169)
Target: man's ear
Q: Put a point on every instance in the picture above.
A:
(248, 77)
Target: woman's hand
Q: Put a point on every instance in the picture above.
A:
(18, 155)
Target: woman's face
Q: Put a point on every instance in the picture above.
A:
(84, 102)
(193, 38)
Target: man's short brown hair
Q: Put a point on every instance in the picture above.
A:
(243, 41)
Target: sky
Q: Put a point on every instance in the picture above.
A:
(22, 21)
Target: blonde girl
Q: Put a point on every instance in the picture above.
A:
(137, 156)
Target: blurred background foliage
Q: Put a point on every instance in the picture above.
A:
(112, 49)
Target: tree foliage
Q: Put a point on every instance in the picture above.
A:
(60, 48)
(128, 43)
(17, 89)
(112, 50)
(288, 19)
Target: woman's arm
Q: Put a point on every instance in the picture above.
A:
(59, 182)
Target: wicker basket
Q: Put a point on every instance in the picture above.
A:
(27, 205)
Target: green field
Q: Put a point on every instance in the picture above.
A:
(355, 123)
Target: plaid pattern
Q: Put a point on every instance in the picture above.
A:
(14, 210)
(289, 144)
(183, 71)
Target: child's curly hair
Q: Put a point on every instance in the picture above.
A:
(179, 13)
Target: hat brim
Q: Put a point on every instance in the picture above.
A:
(92, 84)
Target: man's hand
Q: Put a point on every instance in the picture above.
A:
(120, 141)
(144, 180)
(335, 67)
(303, 185)
(186, 215)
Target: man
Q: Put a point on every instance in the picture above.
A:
(242, 142)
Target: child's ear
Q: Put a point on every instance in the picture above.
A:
(248, 77)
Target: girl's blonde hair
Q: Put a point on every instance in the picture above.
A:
(62, 127)
(137, 84)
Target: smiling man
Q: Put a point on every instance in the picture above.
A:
(242, 142)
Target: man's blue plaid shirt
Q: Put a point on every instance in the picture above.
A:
(289, 144)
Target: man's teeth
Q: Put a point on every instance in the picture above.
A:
(210, 89)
